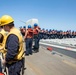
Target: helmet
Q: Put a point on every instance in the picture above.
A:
(6, 19)
(35, 24)
(29, 26)
(24, 26)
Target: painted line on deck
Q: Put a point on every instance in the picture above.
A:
(66, 48)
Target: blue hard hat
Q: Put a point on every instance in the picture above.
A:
(29, 26)
(24, 26)
(35, 24)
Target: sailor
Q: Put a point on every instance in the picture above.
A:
(36, 31)
(29, 39)
(14, 46)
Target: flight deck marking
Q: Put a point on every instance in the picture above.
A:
(67, 48)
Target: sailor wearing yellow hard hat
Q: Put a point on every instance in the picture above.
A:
(13, 46)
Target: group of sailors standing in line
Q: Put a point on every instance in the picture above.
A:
(55, 34)
(31, 35)
(36, 33)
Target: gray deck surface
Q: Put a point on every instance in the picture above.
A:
(46, 63)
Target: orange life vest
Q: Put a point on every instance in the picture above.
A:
(35, 31)
(29, 33)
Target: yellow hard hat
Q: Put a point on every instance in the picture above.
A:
(6, 19)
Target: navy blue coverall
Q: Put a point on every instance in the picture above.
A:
(29, 46)
(12, 46)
